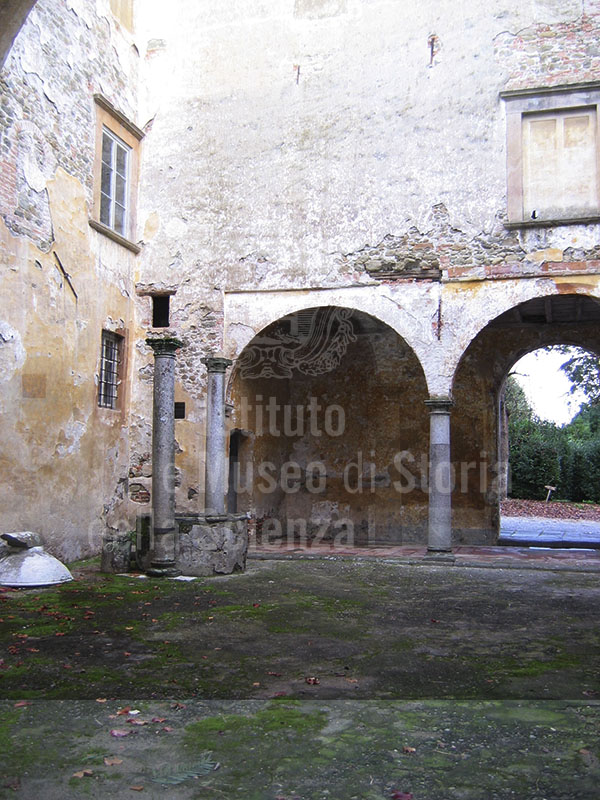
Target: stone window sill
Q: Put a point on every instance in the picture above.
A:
(116, 237)
(552, 223)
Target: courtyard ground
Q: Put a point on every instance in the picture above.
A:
(306, 679)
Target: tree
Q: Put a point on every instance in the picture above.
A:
(583, 370)
(515, 400)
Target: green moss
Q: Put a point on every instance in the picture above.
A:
(281, 718)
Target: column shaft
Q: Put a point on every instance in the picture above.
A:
(440, 477)
(163, 456)
(215, 480)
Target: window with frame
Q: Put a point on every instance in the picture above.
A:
(114, 184)
(116, 171)
(109, 378)
(552, 155)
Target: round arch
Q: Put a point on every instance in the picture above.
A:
(481, 306)
(13, 14)
(248, 315)
(329, 430)
(566, 318)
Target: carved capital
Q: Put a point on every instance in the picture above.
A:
(164, 347)
(439, 405)
(217, 363)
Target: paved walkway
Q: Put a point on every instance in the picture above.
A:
(543, 532)
(500, 556)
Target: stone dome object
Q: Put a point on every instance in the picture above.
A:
(24, 562)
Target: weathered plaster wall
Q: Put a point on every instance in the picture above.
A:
(311, 145)
(351, 153)
(298, 154)
(64, 460)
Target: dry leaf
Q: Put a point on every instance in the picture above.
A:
(84, 773)
(407, 749)
(137, 788)
(112, 761)
(101, 699)
(118, 733)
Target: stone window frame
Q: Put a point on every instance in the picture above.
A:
(117, 382)
(521, 102)
(110, 119)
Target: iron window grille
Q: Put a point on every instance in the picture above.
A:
(108, 382)
(114, 185)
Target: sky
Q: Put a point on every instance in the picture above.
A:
(546, 387)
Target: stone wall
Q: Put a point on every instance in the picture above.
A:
(64, 460)
(297, 154)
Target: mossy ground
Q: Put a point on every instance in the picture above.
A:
(490, 674)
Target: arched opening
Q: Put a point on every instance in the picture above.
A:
(550, 429)
(13, 14)
(479, 448)
(330, 431)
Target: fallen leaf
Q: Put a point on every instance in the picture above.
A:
(352, 680)
(137, 788)
(84, 773)
(407, 749)
(118, 733)
(275, 674)
(167, 729)
(177, 705)
(112, 761)
(402, 796)
(137, 721)
(101, 699)
(159, 719)
(22, 703)
(125, 710)
(312, 681)
(435, 620)
(256, 683)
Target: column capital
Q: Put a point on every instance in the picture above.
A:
(439, 404)
(217, 363)
(166, 346)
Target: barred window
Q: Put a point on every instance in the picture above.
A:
(110, 359)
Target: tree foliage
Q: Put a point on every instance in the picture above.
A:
(582, 368)
(543, 454)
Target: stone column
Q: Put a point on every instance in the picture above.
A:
(163, 457)
(214, 482)
(440, 478)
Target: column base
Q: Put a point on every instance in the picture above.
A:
(441, 556)
(163, 571)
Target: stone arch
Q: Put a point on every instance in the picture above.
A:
(247, 314)
(330, 430)
(479, 304)
(566, 318)
(13, 14)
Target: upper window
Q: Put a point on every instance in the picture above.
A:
(553, 157)
(114, 186)
(117, 156)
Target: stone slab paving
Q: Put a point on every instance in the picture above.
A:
(501, 556)
(541, 531)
